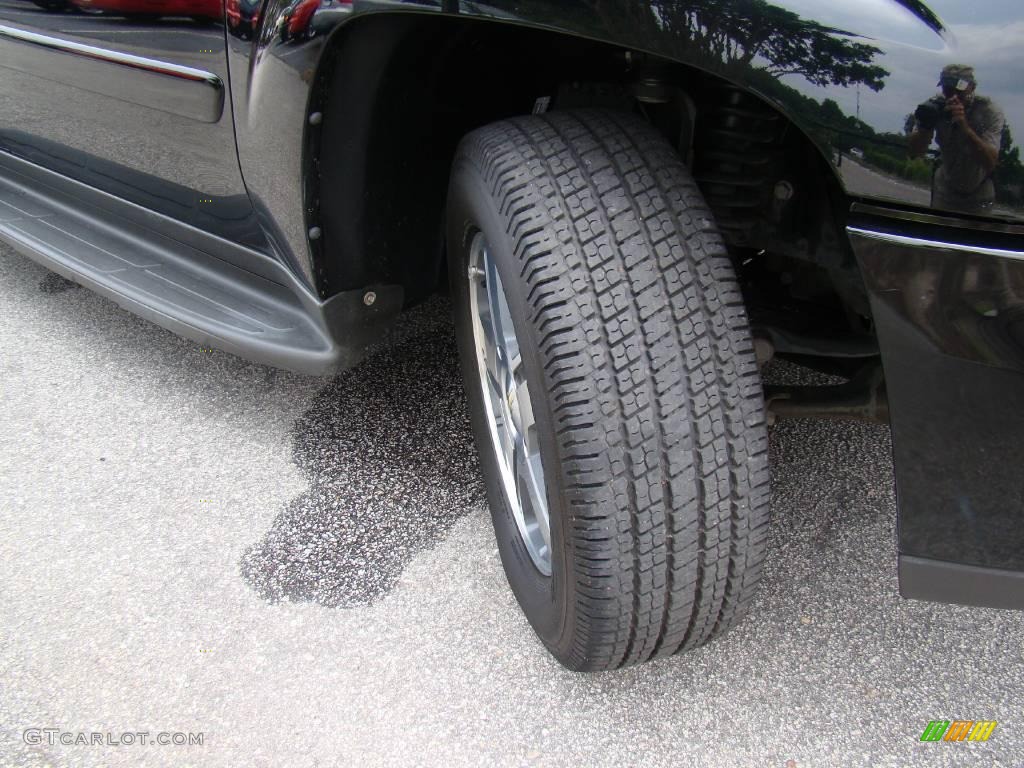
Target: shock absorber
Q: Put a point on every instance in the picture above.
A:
(737, 157)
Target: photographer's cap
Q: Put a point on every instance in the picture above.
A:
(959, 74)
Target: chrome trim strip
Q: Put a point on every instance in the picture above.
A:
(113, 57)
(940, 218)
(917, 242)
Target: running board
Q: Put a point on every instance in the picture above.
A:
(104, 243)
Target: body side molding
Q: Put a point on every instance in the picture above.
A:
(180, 90)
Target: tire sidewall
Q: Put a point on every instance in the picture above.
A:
(544, 599)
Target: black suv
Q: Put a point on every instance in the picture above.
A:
(634, 205)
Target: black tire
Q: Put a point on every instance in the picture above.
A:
(646, 392)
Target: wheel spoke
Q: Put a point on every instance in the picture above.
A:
(491, 343)
(506, 440)
(530, 483)
(504, 333)
(514, 363)
(494, 298)
(525, 425)
(492, 359)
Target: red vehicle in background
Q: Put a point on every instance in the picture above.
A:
(243, 17)
(200, 10)
(305, 18)
(295, 21)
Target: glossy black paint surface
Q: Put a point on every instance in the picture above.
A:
(951, 327)
(872, 61)
(848, 73)
(272, 77)
(943, 581)
(134, 104)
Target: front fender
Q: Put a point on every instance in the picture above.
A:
(849, 74)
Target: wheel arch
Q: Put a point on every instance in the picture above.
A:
(397, 89)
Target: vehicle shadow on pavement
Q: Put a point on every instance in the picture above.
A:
(389, 455)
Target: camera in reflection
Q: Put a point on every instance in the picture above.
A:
(930, 112)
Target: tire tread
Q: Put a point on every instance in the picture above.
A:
(652, 378)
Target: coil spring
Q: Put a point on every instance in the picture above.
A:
(738, 155)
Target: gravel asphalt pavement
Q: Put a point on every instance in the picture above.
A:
(302, 570)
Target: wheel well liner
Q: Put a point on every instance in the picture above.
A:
(397, 90)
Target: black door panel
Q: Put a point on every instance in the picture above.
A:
(128, 96)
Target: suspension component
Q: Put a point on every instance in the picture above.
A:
(739, 159)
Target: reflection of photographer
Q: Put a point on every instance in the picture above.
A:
(968, 128)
